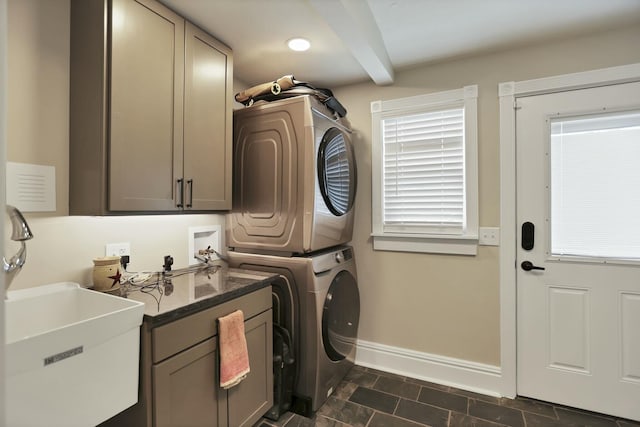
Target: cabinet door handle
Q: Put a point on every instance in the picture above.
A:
(180, 200)
(190, 186)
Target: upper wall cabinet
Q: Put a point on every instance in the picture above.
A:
(151, 98)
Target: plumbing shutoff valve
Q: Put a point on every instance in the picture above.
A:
(207, 251)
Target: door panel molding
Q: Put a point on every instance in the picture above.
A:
(508, 93)
(630, 344)
(568, 328)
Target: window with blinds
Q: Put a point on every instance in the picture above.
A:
(424, 173)
(594, 165)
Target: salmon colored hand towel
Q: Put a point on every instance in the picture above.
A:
(234, 357)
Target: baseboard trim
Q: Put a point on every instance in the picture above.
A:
(463, 374)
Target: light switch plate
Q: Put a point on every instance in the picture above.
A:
(489, 236)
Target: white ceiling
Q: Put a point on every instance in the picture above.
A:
(356, 40)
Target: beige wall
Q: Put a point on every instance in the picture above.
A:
(445, 305)
(449, 305)
(38, 132)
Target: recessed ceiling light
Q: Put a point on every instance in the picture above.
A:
(299, 44)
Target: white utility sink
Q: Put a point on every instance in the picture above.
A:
(71, 355)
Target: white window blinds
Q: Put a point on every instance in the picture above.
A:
(595, 202)
(424, 172)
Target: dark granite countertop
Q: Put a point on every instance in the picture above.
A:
(188, 291)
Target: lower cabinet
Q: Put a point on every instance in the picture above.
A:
(179, 372)
(187, 391)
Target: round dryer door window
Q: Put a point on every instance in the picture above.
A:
(337, 171)
(340, 316)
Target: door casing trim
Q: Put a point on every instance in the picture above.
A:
(508, 93)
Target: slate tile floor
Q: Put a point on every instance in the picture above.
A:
(371, 398)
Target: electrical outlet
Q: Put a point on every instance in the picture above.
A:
(118, 249)
(489, 236)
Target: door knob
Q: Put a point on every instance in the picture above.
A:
(528, 266)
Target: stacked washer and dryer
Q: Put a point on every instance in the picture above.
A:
(294, 188)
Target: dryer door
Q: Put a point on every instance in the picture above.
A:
(340, 316)
(337, 171)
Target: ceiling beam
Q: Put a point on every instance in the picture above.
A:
(354, 24)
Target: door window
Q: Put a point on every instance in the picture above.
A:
(337, 172)
(595, 177)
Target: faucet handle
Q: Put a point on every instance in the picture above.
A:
(21, 233)
(21, 230)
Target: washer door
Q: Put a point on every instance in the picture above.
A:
(340, 316)
(337, 171)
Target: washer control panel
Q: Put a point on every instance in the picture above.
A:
(328, 260)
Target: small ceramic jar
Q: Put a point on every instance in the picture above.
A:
(106, 273)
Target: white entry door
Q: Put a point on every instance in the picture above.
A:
(578, 249)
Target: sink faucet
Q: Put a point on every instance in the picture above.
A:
(21, 233)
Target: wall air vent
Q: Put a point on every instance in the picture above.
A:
(31, 188)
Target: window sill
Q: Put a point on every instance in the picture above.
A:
(452, 245)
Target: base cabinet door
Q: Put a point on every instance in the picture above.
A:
(187, 391)
(253, 397)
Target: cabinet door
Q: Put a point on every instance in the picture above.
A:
(253, 397)
(147, 75)
(207, 122)
(187, 388)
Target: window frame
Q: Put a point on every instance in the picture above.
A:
(462, 244)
